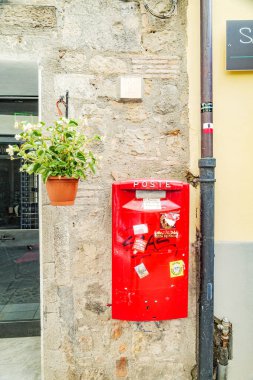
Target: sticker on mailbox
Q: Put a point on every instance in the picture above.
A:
(169, 219)
(152, 204)
(177, 268)
(141, 270)
(166, 234)
(140, 229)
(139, 245)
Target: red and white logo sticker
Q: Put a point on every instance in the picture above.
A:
(169, 219)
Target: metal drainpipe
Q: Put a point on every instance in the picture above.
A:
(207, 172)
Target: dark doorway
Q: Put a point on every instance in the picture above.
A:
(19, 219)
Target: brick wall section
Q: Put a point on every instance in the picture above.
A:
(83, 47)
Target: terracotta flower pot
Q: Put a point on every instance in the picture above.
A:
(62, 190)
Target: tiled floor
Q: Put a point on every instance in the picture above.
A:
(19, 311)
(19, 285)
(19, 282)
(20, 359)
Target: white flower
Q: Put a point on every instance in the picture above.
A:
(65, 120)
(27, 127)
(10, 150)
(18, 137)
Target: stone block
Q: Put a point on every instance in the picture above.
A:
(47, 243)
(56, 367)
(160, 42)
(168, 100)
(136, 113)
(102, 26)
(79, 86)
(164, 370)
(26, 17)
(51, 3)
(50, 297)
(49, 272)
(107, 65)
(106, 88)
(135, 141)
(51, 341)
(72, 60)
(94, 374)
(66, 309)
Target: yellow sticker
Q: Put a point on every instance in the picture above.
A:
(177, 268)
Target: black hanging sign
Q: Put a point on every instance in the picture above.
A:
(239, 45)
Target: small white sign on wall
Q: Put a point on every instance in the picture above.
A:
(131, 88)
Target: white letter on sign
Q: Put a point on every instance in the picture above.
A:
(136, 183)
(250, 41)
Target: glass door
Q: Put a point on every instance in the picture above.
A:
(19, 233)
(19, 248)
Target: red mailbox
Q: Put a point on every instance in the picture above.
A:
(150, 250)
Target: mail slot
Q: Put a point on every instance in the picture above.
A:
(150, 250)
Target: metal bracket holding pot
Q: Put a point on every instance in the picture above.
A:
(65, 103)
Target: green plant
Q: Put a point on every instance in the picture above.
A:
(61, 149)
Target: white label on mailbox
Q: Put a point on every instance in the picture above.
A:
(140, 229)
(152, 204)
(141, 270)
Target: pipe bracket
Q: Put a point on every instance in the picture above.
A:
(203, 180)
(208, 162)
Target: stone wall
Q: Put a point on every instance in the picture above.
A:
(84, 46)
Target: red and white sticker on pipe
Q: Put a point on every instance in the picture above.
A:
(208, 127)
